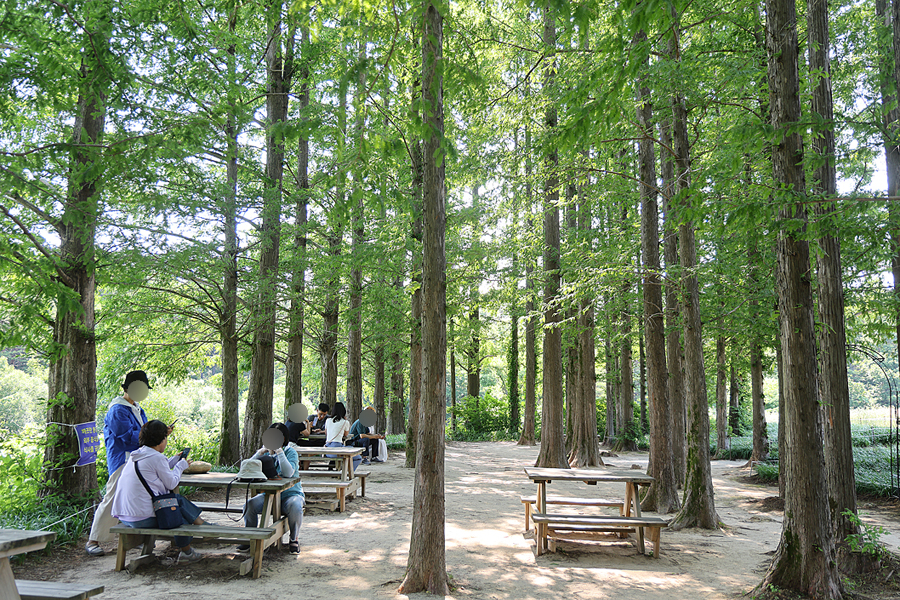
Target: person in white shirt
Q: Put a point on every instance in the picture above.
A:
(132, 503)
(336, 429)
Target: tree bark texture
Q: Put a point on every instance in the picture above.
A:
(528, 423)
(258, 413)
(834, 391)
(662, 496)
(760, 429)
(721, 397)
(530, 416)
(674, 361)
(553, 451)
(585, 443)
(417, 233)
(805, 558)
(734, 399)
(230, 431)
(513, 367)
(397, 418)
(426, 569)
(293, 385)
(72, 381)
(698, 509)
(354, 312)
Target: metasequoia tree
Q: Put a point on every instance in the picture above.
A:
(426, 568)
(417, 233)
(279, 67)
(293, 385)
(528, 422)
(553, 450)
(805, 558)
(674, 363)
(354, 312)
(662, 496)
(834, 391)
(72, 379)
(229, 434)
(698, 509)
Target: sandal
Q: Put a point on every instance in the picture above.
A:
(294, 547)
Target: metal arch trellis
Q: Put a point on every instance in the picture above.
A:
(894, 414)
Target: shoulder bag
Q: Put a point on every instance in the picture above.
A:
(165, 506)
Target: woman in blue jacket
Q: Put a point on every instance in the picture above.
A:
(121, 428)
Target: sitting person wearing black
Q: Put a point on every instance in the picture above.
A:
(317, 422)
(360, 437)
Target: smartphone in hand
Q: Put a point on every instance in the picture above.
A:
(184, 453)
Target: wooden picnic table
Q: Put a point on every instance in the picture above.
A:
(345, 484)
(15, 541)
(631, 506)
(271, 520)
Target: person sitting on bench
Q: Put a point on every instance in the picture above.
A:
(292, 499)
(132, 503)
(360, 436)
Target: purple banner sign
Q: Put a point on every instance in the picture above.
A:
(88, 443)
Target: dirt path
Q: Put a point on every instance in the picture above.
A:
(362, 553)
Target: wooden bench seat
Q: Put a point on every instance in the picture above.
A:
(552, 523)
(54, 590)
(528, 501)
(258, 537)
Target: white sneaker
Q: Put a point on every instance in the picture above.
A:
(184, 559)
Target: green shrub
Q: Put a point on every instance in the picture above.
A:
(479, 415)
(396, 441)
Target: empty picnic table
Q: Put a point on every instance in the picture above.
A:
(345, 482)
(15, 541)
(629, 519)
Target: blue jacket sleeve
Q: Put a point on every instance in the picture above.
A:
(124, 427)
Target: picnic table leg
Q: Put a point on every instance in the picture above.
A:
(268, 507)
(635, 497)
(542, 528)
(7, 581)
(257, 558)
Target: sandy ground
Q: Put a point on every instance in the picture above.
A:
(362, 552)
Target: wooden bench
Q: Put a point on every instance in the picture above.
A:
(258, 537)
(528, 501)
(554, 523)
(53, 590)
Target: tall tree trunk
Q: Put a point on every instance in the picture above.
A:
(585, 448)
(452, 379)
(642, 380)
(72, 382)
(734, 399)
(230, 432)
(354, 314)
(662, 496)
(805, 558)
(258, 414)
(417, 232)
(892, 156)
(611, 395)
(513, 365)
(674, 361)
(528, 423)
(378, 392)
(397, 418)
(834, 391)
(473, 365)
(426, 569)
(721, 398)
(760, 429)
(553, 451)
(293, 385)
(699, 508)
(571, 333)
